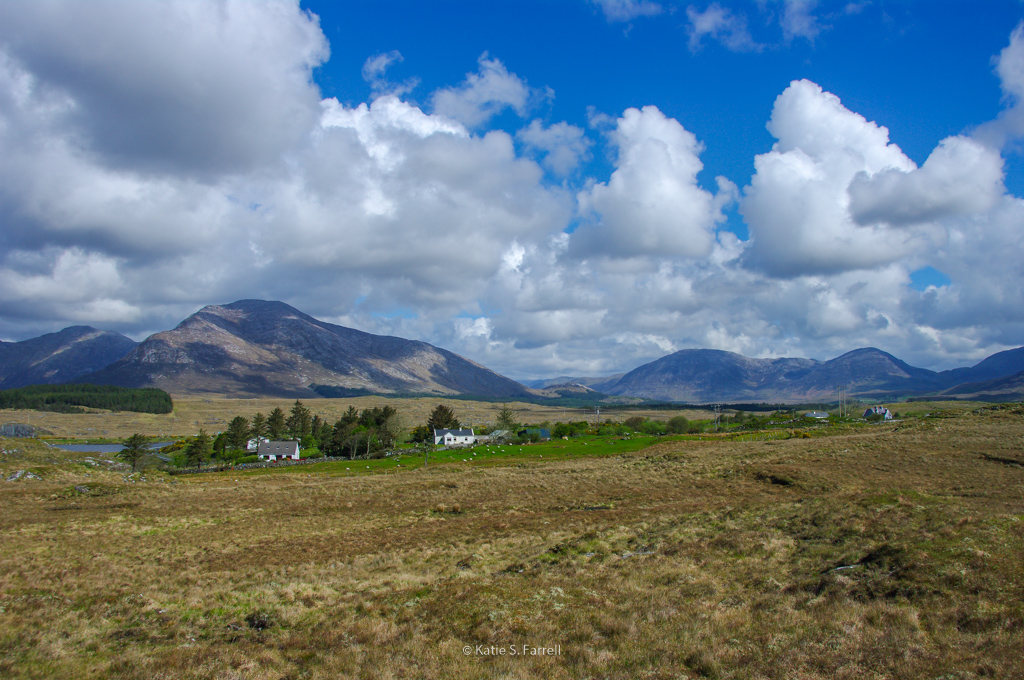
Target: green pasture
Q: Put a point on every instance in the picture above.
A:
(470, 456)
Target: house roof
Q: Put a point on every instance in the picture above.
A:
(463, 432)
(288, 448)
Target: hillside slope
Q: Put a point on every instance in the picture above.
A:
(64, 356)
(254, 347)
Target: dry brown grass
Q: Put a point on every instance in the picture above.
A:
(889, 552)
(191, 413)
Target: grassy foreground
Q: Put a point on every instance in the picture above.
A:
(890, 551)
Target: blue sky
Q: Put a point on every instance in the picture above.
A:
(922, 69)
(566, 187)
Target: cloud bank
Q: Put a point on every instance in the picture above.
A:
(141, 181)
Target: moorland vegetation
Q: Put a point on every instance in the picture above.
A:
(842, 550)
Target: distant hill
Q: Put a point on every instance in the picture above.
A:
(60, 357)
(1010, 388)
(596, 384)
(702, 376)
(255, 347)
(999, 365)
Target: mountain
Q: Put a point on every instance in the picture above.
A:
(1009, 388)
(999, 365)
(702, 376)
(64, 356)
(596, 384)
(254, 347)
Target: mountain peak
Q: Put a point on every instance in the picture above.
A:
(267, 347)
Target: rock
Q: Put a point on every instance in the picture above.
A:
(17, 430)
(22, 474)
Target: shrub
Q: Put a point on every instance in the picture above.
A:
(677, 425)
(247, 459)
(652, 427)
(635, 422)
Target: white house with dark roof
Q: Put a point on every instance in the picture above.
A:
(878, 411)
(460, 437)
(286, 450)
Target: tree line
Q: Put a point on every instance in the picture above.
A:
(75, 398)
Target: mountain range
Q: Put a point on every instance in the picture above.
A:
(704, 375)
(259, 348)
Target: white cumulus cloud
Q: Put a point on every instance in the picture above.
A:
(797, 203)
(721, 24)
(627, 10)
(563, 145)
(652, 204)
(960, 177)
(484, 94)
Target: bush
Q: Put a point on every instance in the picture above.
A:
(173, 446)
(652, 427)
(677, 425)
(247, 459)
(569, 429)
(311, 452)
(635, 422)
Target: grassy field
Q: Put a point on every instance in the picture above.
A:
(191, 413)
(882, 551)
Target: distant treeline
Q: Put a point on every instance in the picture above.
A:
(338, 392)
(75, 398)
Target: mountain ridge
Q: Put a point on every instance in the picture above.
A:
(270, 348)
(58, 357)
(707, 375)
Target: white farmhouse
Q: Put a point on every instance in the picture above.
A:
(461, 437)
(878, 410)
(278, 450)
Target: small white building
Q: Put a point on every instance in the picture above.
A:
(254, 444)
(878, 410)
(460, 437)
(278, 450)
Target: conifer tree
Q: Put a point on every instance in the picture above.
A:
(134, 449)
(198, 449)
(276, 423)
